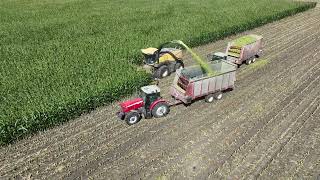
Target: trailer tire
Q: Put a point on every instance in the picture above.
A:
(162, 71)
(133, 118)
(178, 65)
(254, 59)
(160, 110)
(209, 98)
(248, 61)
(218, 95)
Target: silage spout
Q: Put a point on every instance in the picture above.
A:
(203, 64)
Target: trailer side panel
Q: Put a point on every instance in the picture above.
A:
(197, 85)
(218, 82)
(212, 85)
(205, 86)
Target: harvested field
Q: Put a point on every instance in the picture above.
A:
(268, 127)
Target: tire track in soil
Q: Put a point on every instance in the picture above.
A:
(288, 136)
(110, 153)
(258, 140)
(112, 123)
(299, 153)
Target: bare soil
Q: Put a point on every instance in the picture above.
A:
(267, 127)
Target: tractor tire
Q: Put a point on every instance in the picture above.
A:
(178, 65)
(133, 118)
(218, 95)
(160, 110)
(209, 98)
(162, 72)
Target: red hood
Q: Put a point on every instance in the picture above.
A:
(131, 104)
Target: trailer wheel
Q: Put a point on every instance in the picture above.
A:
(248, 61)
(178, 65)
(133, 118)
(218, 95)
(209, 98)
(160, 110)
(254, 60)
(162, 71)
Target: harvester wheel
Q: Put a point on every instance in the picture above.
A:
(178, 65)
(218, 95)
(160, 110)
(162, 71)
(133, 118)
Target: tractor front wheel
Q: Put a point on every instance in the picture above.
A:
(133, 118)
(162, 71)
(160, 110)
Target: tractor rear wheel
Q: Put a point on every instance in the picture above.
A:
(162, 71)
(160, 110)
(133, 118)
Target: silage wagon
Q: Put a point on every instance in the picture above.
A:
(192, 83)
(244, 49)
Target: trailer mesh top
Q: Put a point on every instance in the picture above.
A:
(196, 73)
(245, 40)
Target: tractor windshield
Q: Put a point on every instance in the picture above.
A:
(148, 99)
(143, 96)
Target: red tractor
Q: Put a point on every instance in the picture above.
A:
(149, 104)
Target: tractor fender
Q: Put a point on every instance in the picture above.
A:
(156, 102)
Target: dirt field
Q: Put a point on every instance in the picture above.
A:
(267, 128)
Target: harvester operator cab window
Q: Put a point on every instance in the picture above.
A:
(150, 55)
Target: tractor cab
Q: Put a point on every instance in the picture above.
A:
(149, 94)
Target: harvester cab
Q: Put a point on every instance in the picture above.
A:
(148, 104)
(163, 60)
